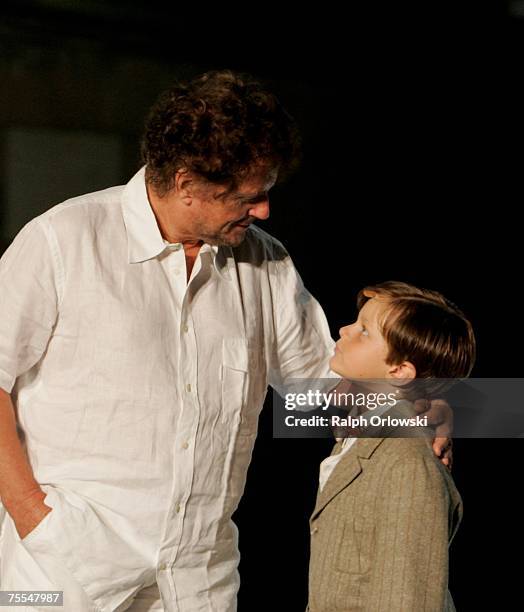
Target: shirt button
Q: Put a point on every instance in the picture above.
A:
(162, 566)
(185, 445)
(177, 509)
(176, 272)
(185, 328)
(188, 387)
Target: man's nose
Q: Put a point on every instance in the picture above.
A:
(260, 210)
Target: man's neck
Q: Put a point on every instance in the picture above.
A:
(171, 230)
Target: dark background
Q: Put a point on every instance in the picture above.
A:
(412, 127)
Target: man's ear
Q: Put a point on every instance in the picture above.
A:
(184, 185)
(405, 370)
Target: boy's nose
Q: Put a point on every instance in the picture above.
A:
(348, 331)
(343, 331)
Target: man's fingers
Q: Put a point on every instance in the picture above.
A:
(440, 445)
(421, 405)
(447, 462)
(444, 429)
(440, 416)
(443, 448)
(435, 411)
(447, 459)
(438, 413)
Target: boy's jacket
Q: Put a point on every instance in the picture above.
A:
(381, 528)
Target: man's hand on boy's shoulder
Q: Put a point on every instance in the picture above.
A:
(440, 416)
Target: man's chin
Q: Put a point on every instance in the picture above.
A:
(231, 239)
(234, 244)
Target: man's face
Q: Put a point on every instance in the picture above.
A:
(220, 219)
(361, 350)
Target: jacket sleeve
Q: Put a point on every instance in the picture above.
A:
(410, 568)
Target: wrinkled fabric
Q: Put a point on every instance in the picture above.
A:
(138, 393)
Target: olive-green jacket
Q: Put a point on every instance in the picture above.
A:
(381, 528)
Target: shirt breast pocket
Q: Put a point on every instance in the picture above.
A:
(235, 378)
(239, 371)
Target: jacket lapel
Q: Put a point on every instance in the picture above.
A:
(350, 466)
(347, 469)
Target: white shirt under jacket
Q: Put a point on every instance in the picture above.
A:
(139, 393)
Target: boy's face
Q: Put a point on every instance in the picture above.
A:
(361, 350)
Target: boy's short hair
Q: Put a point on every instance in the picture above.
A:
(423, 327)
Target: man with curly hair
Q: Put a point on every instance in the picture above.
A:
(139, 329)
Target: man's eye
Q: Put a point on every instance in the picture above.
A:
(255, 199)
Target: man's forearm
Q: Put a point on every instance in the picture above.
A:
(20, 493)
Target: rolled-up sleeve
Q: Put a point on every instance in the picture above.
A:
(303, 343)
(28, 300)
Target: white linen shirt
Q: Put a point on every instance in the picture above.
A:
(138, 393)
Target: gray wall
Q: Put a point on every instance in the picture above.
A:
(72, 108)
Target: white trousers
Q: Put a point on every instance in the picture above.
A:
(21, 570)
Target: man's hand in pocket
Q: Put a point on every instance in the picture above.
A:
(29, 513)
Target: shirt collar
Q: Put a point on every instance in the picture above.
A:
(144, 240)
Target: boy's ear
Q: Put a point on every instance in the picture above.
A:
(405, 370)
